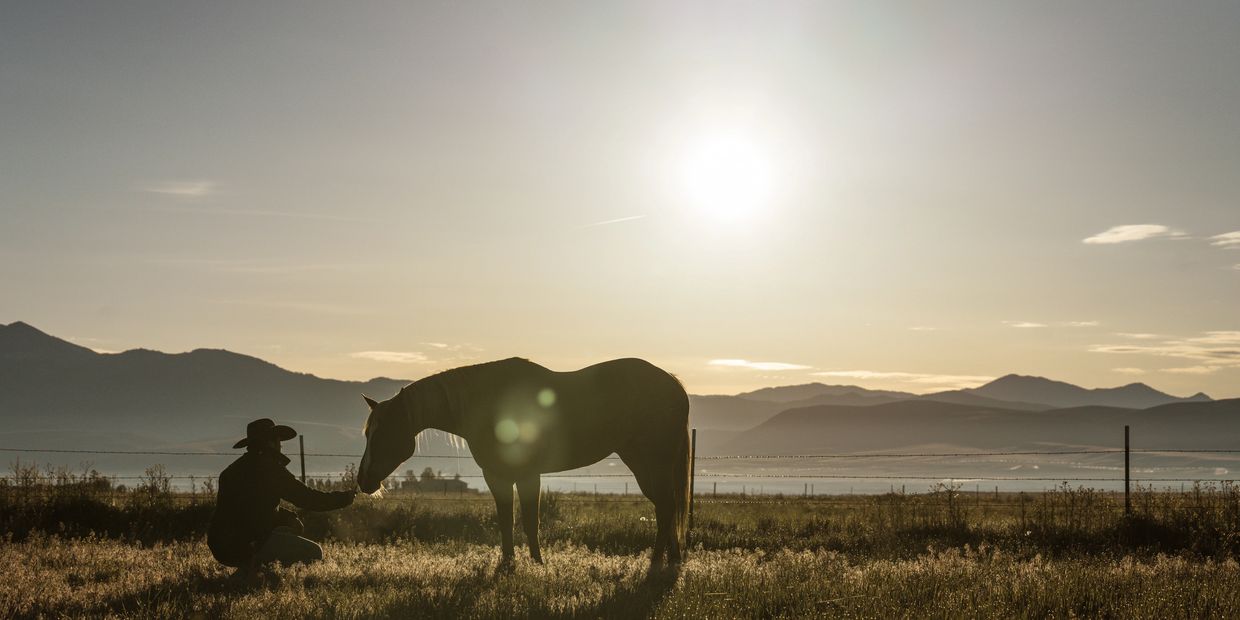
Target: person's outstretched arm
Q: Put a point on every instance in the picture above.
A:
(292, 490)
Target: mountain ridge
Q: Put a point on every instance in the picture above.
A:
(206, 394)
(1059, 394)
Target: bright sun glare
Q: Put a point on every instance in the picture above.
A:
(728, 176)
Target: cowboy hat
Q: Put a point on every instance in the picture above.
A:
(263, 430)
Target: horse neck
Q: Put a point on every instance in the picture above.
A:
(437, 410)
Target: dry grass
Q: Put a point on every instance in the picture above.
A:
(1067, 553)
(51, 577)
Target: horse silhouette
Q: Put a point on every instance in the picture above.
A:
(522, 420)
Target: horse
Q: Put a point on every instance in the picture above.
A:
(521, 420)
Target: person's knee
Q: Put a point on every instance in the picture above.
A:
(305, 550)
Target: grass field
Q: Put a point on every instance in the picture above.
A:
(1067, 553)
(59, 578)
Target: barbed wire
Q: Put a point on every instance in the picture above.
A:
(704, 474)
(705, 457)
(70, 479)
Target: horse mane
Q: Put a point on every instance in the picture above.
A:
(450, 386)
(452, 378)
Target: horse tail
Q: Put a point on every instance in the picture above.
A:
(681, 490)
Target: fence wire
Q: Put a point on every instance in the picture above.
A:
(704, 457)
(805, 477)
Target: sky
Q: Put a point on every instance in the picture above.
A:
(896, 195)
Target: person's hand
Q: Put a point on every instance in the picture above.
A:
(347, 496)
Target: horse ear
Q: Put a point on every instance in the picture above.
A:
(370, 401)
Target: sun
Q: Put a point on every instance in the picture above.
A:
(728, 176)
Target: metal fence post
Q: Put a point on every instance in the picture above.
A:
(301, 443)
(692, 478)
(1127, 478)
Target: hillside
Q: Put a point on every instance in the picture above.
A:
(204, 397)
(57, 394)
(905, 424)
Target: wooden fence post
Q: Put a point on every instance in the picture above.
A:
(301, 443)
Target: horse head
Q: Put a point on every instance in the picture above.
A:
(390, 441)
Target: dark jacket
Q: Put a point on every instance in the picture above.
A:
(250, 491)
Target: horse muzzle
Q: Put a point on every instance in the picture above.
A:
(367, 486)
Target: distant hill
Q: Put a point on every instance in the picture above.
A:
(1026, 389)
(809, 391)
(912, 423)
(204, 397)
(54, 393)
(746, 410)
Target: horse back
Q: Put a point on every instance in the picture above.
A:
(628, 384)
(550, 421)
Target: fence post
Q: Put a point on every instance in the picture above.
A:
(301, 443)
(1127, 478)
(692, 479)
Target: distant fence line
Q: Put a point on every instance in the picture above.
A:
(157, 477)
(729, 457)
(803, 477)
(734, 476)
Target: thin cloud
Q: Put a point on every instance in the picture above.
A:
(438, 353)
(1229, 240)
(267, 213)
(397, 357)
(1082, 324)
(922, 328)
(1129, 371)
(1132, 232)
(444, 347)
(922, 379)
(1193, 370)
(742, 363)
(1211, 349)
(255, 267)
(300, 306)
(1136, 335)
(615, 221)
(1024, 324)
(182, 189)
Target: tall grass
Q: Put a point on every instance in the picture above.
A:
(54, 577)
(1204, 521)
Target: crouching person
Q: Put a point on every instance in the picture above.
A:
(249, 529)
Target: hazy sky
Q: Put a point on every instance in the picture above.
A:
(914, 196)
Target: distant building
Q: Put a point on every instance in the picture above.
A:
(432, 482)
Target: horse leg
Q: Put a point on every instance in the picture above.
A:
(648, 483)
(502, 491)
(528, 490)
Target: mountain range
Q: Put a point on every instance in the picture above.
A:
(202, 398)
(56, 393)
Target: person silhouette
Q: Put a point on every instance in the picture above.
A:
(249, 528)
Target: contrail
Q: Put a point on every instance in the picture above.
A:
(615, 221)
